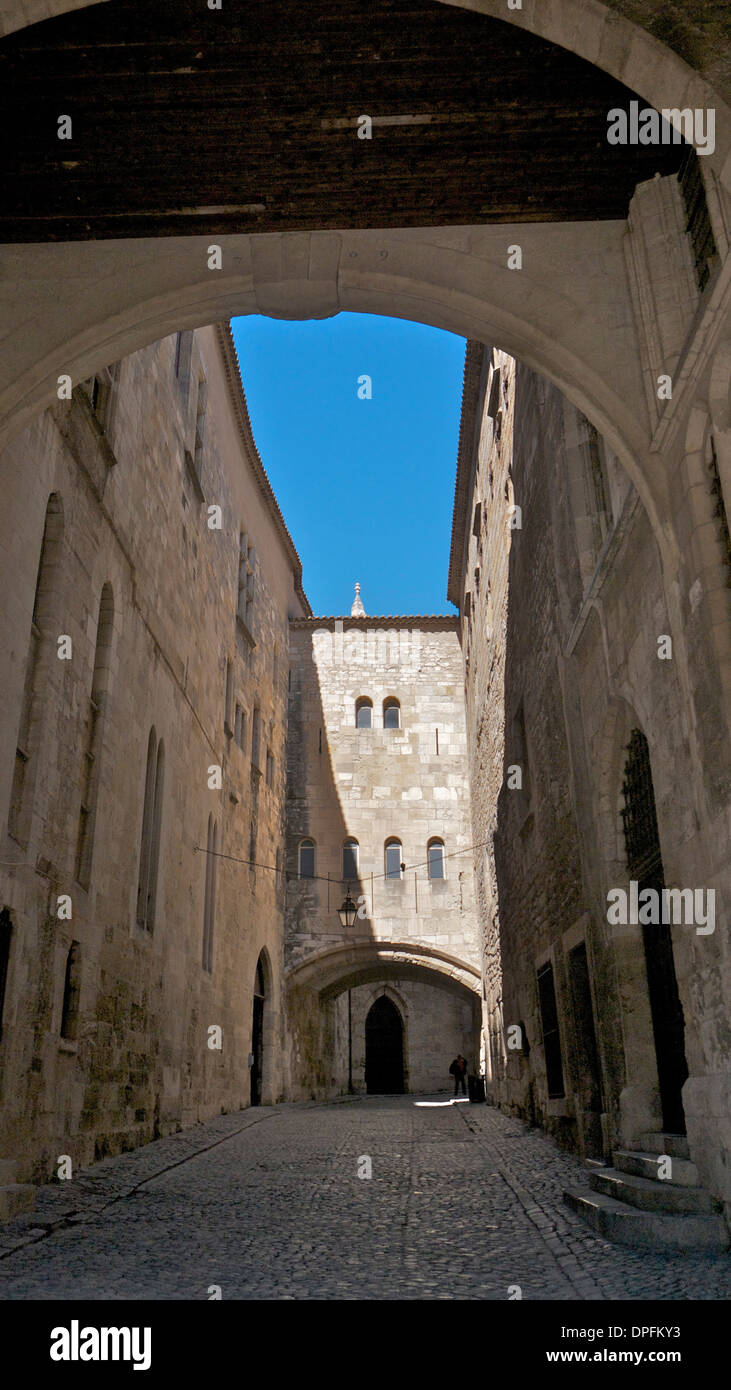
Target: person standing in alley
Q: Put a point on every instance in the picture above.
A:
(458, 1070)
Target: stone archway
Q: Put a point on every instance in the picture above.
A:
(325, 1036)
(568, 316)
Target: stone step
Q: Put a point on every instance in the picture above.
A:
(16, 1197)
(674, 1144)
(649, 1195)
(647, 1229)
(8, 1170)
(645, 1165)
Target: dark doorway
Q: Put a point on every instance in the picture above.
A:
(384, 1049)
(644, 865)
(257, 1036)
(587, 1055)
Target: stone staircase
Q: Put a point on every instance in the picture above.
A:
(15, 1197)
(632, 1204)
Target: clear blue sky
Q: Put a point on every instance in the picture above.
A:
(366, 486)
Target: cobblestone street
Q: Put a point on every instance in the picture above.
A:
(267, 1204)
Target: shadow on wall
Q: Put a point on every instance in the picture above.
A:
(548, 1070)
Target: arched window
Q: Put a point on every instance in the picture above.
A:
(391, 714)
(71, 991)
(350, 860)
(435, 856)
(393, 858)
(151, 819)
(307, 859)
(363, 713)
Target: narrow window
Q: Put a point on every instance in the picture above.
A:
(200, 424)
(101, 391)
(307, 859)
(151, 820)
(599, 506)
(494, 399)
(719, 505)
(551, 1035)
(209, 894)
(255, 737)
(229, 697)
(6, 932)
(698, 225)
(253, 832)
(391, 714)
(41, 631)
(247, 563)
(435, 856)
(71, 992)
(350, 860)
(393, 858)
(183, 355)
(363, 713)
(94, 734)
(239, 727)
(270, 769)
(520, 748)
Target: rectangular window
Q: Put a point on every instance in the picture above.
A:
(551, 1035)
(240, 727)
(270, 770)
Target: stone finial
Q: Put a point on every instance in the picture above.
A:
(357, 611)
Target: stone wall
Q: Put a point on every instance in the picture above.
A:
(134, 514)
(372, 784)
(569, 635)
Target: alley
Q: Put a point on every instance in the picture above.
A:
(463, 1203)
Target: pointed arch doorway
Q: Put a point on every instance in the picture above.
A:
(384, 1032)
(257, 1033)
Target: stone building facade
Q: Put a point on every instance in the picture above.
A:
(378, 805)
(599, 755)
(148, 583)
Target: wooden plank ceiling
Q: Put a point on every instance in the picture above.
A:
(190, 120)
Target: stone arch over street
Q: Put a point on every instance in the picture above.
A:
(330, 996)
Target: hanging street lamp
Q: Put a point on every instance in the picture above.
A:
(348, 911)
